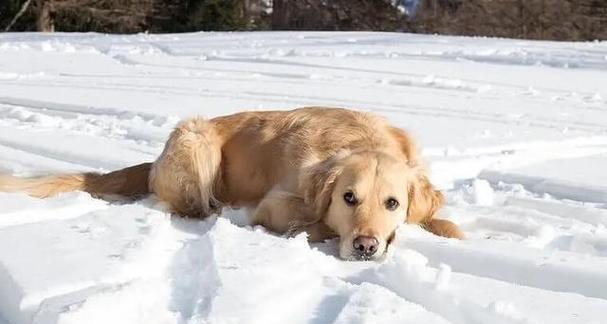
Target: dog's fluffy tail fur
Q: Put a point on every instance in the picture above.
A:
(131, 182)
(187, 174)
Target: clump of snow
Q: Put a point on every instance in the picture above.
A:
(443, 277)
(482, 193)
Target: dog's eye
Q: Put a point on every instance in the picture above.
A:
(391, 204)
(350, 198)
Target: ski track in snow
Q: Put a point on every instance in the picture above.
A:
(515, 133)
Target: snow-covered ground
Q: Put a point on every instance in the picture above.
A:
(515, 133)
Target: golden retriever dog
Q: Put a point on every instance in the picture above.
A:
(329, 172)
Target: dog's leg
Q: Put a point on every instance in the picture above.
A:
(279, 211)
(443, 227)
(285, 213)
(318, 232)
(188, 172)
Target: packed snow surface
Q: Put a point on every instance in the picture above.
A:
(514, 132)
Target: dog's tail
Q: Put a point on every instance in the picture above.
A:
(131, 182)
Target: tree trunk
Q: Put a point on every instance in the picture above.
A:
(246, 12)
(280, 14)
(26, 5)
(45, 16)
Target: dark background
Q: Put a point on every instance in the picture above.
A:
(531, 19)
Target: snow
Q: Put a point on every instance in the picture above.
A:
(515, 133)
(573, 178)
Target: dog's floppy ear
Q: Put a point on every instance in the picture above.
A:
(406, 144)
(317, 183)
(424, 199)
(424, 202)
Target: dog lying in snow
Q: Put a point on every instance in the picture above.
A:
(326, 171)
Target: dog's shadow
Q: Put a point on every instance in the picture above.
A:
(193, 274)
(194, 280)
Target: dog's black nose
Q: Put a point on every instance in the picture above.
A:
(365, 246)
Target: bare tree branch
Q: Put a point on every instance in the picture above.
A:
(19, 14)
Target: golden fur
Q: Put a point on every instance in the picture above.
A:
(291, 168)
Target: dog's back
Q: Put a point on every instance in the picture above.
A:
(233, 160)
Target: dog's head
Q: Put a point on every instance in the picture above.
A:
(363, 197)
